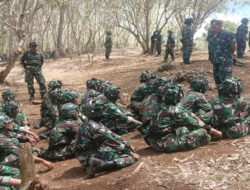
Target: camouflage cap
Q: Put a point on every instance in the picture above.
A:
(32, 44)
(54, 84)
(68, 111)
(231, 88)
(244, 20)
(199, 84)
(94, 84)
(70, 96)
(146, 76)
(112, 93)
(8, 95)
(10, 107)
(93, 108)
(4, 121)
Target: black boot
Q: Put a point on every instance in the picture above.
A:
(189, 61)
(185, 61)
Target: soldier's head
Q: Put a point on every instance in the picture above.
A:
(213, 23)
(8, 95)
(199, 84)
(170, 94)
(218, 26)
(56, 96)
(160, 81)
(244, 21)
(231, 88)
(170, 32)
(112, 93)
(5, 123)
(109, 33)
(54, 84)
(68, 111)
(33, 46)
(188, 21)
(147, 76)
(94, 84)
(11, 108)
(71, 96)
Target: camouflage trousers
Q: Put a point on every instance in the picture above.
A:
(222, 72)
(167, 52)
(30, 74)
(187, 50)
(108, 51)
(241, 47)
(181, 141)
(210, 52)
(156, 48)
(7, 172)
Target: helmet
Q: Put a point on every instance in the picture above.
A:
(56, 96)
(170, 93)
(161, 81)
(93, 84)
(54, 84)
(10, 107)
(199, 84)
(231, 88)
(93, 108)
(188, 21)
(244, 20)
(112, 93)
(4, 121)
(8, 95)
(146, 76)
(68, 111)
(69, 96)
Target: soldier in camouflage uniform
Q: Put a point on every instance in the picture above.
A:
(156, 41)
(99, 149)
(108, 44)
(241, 36)
(93, 89)
(32, 61)
(169, 46)
(195, 101)
(224, 48)
(227, 110)
(210, 39)
(173, 128)
(187, 41)
(62, 142)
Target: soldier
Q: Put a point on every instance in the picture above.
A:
(32, 61)
(169, 46)
(187, 40)
(173, 128)
(99, 149)
(210, 39)
(195, 101)
(108, 44)
(156, 41)
(224, 48)
(241, 36)
(227, 109)
(93, 89)
(62, 142)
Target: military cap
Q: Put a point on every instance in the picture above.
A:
(8, 95)
(32, 44)
(68, 111)
(160, 81)
(93, 83)
(70, 96)
(4, 121)
(112, 93)
(146, 76)
(54, 84)
(199, 84)
(231, 88)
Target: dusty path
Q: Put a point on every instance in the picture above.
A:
(221, 165)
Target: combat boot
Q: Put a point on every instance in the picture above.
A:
(185, 61)
(189, 61)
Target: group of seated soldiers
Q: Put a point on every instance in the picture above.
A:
(91, 129)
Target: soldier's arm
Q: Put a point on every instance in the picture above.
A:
(232, 40)
(204, 104)
(42, 60)
(23, 59)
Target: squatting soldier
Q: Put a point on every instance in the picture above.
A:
(32, 61)
(187, 40)
(241, 37)
(227, 109)
(224, 48)
(169, 46)
(108, 44)
(210, 39)
(156, 41)
(93, 89)
(195, 101)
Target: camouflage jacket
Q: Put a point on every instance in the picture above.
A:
(242, 31)
(187, 35)
(108, 42)
(222, 47)
(195, 101)
(141, 92)
(89, 94)
(170, 42)
(210, 37)
(156, 37)
(32, 59)
(226, 111)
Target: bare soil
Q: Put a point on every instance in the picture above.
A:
(220, 165)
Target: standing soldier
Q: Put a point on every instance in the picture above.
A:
(210, 38)
(156, 40)
(241, 37)
(108, 44)
(187, 40)
(32, 61)
(169, 46)
(224, 48)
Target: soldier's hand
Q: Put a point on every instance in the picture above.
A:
(135, 155)
(216, 133)
(31, 140)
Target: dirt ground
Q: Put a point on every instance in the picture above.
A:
(220, 165)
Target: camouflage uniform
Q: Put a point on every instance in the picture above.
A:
(89, 94)
(169, 47)
(108, 44)
(223, 60)
(173, 128)
(156, 41)
(32, 63)
(241, 37)
(210, 39)
(62, 143)
(227, 109)
(187, 41)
